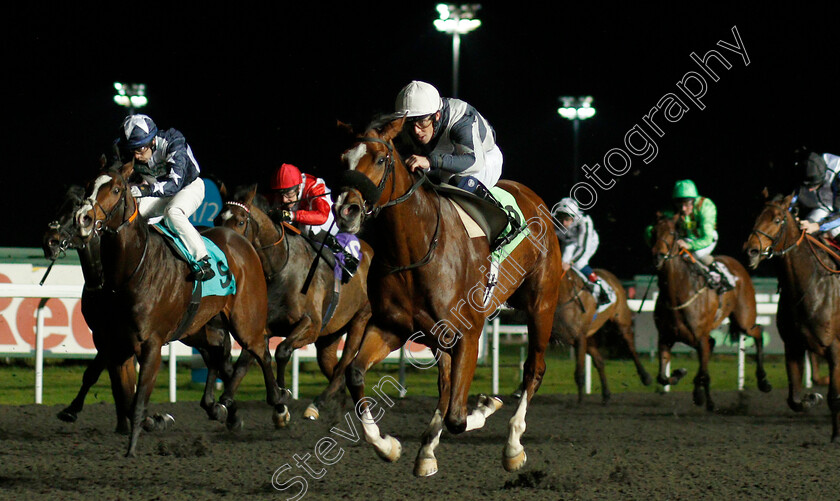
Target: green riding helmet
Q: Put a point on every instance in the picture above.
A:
(685, 189)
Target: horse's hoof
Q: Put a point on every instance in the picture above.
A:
(166, 421)
(647, 379)
(235, 424)
(393, 452)
(678, 374)
(425, 467)
(311, 413)
(67, 416)
(281, 419)
(514, 463)
(285, 395)
(764, 386)
(811, 399)
(492, 403)
(219, 413)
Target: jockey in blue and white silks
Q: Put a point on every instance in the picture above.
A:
(166, 182)
(447, 136)
(819, 193)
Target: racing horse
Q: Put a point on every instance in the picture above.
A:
(808, 316)
(427, 283)
(62, 235)
(576, 321)
(687, 310)
(320, 316)
(147, 295)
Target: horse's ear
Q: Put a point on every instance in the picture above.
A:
(223, 190)
(345, 128)
(787, 200)
(765, 193)
(252, 193)
(127, 169)
(393, 128)
(103, 162)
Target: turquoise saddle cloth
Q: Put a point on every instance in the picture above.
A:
(223, 284)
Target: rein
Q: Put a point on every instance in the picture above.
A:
(812, 241)
(255, 232)
(380, 188)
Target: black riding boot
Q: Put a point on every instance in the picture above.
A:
(204, 271)
(351, 263)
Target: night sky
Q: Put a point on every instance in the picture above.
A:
(257, 87)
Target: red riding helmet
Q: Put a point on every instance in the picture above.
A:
(286, 176)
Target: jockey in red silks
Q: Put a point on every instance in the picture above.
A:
(303, 200)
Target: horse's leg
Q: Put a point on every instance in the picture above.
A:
(580, 364)
(794, 360)
(150, 358)
(701, 380)
(425, 464)
(624, 324)
(303, 333)
(70, 413)
(816, 379)
(123, 381)
(539, 333)
(464, 358)
(376, 345)
(833, 356)
(327, 349)
(664, 378)
(760, 374)
(598, 362)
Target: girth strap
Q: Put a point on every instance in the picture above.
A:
(189, 315)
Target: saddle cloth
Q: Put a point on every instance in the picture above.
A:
(483, 219)
(333, 259)
(223, 284)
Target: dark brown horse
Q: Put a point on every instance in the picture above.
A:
(576, 322)
(62, 235)
(688, 309)
(427, 282)
(302, 319)
(808, 315)
(148, 293)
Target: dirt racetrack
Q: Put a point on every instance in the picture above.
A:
(640, 446)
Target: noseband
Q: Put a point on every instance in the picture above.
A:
(769, 252)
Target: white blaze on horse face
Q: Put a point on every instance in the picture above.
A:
(354, 155)
(89, 203)
(226, 214)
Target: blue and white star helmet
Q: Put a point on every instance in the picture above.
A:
(137, 131)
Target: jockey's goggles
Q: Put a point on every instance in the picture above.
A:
(422, 121)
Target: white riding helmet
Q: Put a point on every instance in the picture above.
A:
(566, 206)
(418, 99)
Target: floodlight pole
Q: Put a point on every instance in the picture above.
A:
(576, 109)
(456, 20)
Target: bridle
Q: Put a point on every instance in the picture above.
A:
(390, 165)
(770, 251)
(252, 233)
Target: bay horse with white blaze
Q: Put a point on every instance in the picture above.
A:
(429, 277)
(688, 309)
(808, 315)
(302, 319)
(146, 292)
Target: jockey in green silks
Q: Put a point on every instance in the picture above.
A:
(697, 230)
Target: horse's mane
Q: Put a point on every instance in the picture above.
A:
(382, 119)
(260, 201)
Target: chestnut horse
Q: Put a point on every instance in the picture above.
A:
(62, 235)
(687, 310)
(427, 282)
(576, 322)
(147, 293)
(808, 315)
(286, 258)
